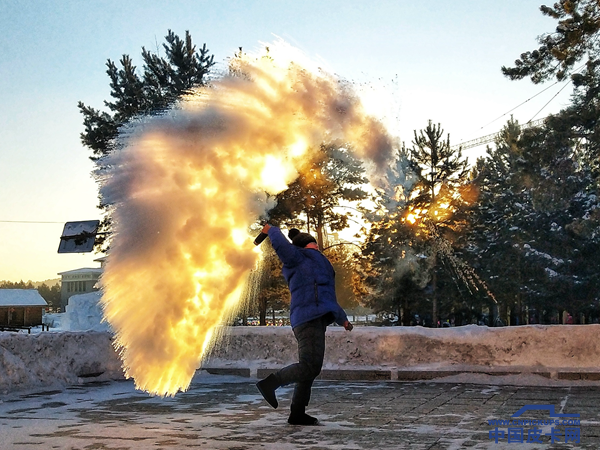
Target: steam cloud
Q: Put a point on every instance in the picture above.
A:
(185, 189)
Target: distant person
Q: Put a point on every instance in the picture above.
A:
(569, 319)
(311, 280)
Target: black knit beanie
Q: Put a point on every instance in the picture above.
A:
(293, 233)
(303, 239)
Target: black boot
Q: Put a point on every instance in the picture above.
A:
(267, 389)
(299, 417)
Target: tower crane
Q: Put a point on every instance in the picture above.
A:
(491, 137)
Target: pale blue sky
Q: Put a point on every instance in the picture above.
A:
(445, 57)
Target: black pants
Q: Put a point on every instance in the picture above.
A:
(311, 351)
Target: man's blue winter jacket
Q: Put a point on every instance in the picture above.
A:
(311, 280)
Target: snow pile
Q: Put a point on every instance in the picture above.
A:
(46, 359)
(84, 313)
(532, 346)
(52, 320)
(63, 358)
(80, 350)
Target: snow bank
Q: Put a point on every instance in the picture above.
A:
(65, 358)
(532, 346)
(56, 359)
(78, 349)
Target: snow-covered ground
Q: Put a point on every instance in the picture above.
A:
(224, 412)
(78, 348)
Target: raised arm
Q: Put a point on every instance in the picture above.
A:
(288, 253)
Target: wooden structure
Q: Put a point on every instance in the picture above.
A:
(21, 309)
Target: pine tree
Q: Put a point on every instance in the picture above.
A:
(343, 258)
(51, 294)
(313, 199)
(163, 81)
(441, 171)
(16, 285)
(533, 196)
(575, 40)
(395, 269)
(564, 154)
(498, 220)
(440, 168)
(410, 254)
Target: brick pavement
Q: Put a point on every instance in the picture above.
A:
(225, 412)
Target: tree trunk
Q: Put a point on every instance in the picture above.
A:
(262, 312)
(320, 231)
(434, 312)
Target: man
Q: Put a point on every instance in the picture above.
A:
(311, 280)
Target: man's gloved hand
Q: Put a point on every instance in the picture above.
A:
(348, 326)
(263, 235)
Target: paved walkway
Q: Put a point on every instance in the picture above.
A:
(226, 412)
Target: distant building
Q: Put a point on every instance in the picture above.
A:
(102, 261)
(21, 308)
(79, 281)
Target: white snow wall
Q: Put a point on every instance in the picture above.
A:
(84, 313)
(534, 346)
(56, 359)
(73, 357)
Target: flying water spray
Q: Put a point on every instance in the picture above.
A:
(185, 189)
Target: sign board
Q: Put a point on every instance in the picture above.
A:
(78, 237)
